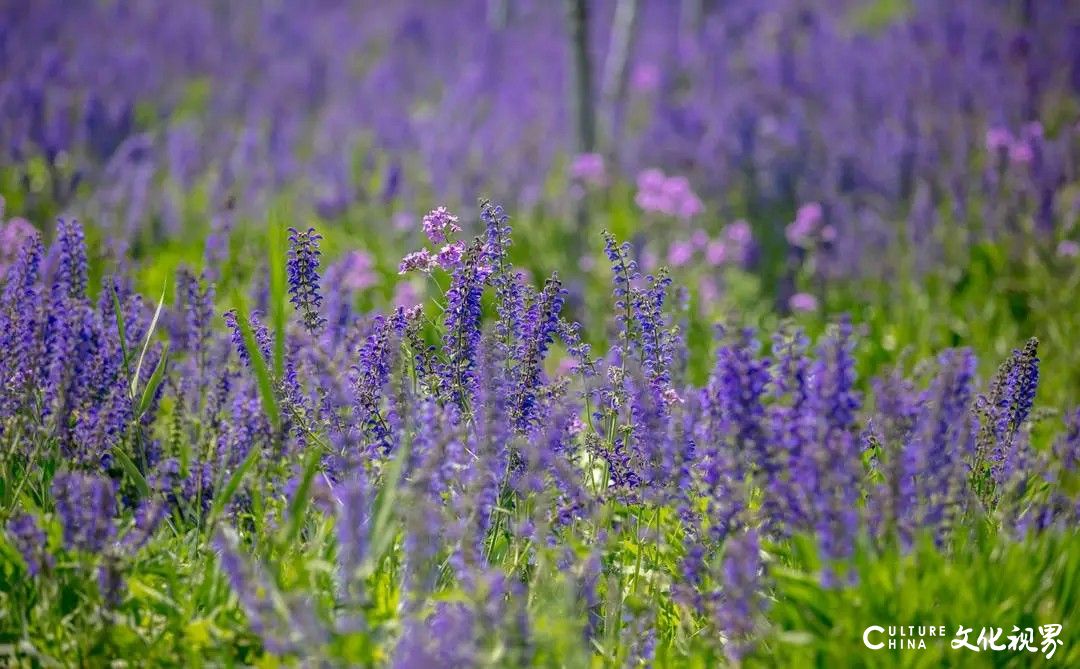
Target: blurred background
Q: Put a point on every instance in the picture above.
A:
(914, 163)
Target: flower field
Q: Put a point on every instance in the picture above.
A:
(511, 333)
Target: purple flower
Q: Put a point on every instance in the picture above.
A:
(589, 169)
(1067, 248)
(680, 253)
(13, 235)
(450, 255)
(461, 341)
(998, 139)
(439, 224)
(355, 271)
(352, 526)
(716, 253)
(1020, 152)
(807, 220)
(742, 605)
(671, 196)
(86, 505)
(302, 268)
(417, 261)
(68, 256)
(21, 319)
(804, 302)
(30, 541)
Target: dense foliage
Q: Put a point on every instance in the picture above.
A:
(440, 486)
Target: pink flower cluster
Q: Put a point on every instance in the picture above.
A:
(1018, 149)
(807, 223)
(13, 235)
(589, 169)
(733, 245)
(671, 196)
(439, 226)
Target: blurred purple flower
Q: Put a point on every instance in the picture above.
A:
(671, 196)
(803, 302)
(589, 169)
(680, 253)
(1068, 248)
(998, 139)
(716, 253)
(806, 222)
(355, 271)
(645, 78)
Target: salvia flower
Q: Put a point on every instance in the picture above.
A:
(739, 612)
(30, 541)
(450, 255)
(302, 268)
(86, 505)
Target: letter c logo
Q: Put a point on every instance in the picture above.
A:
(866, 637)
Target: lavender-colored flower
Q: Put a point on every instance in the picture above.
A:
(657, 341)
(20, 323)
(281, 631)
(69, 258)
(196, 303)
(30, 541)
(680, 253)
(803, 302)
(450, 255)
(807, 220)
(355, 271)
(589, 169)
(439, 224)
(541, 324)
(303, 273)
(741, 606)
(998, 139)
(352, 526)
(1068, 248)
(671, 196)
(446, 638)
(86, 505)
(372, 374)
(13, 235)
(461, 340)
(417, 261)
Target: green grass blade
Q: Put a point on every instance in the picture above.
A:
(383, 526)
(155, 380)
(133, 471)
(146, 343)
(277, 254)
(121, 328)
(258, 365)
(302, 497)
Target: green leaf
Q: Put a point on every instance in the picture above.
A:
(276, 254)
(234, 482)
(383, 527)
(121, 328)
(155, 381)
(298, 506)
(129, 467)
(258, 365)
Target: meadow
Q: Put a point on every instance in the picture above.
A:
(506, 333)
